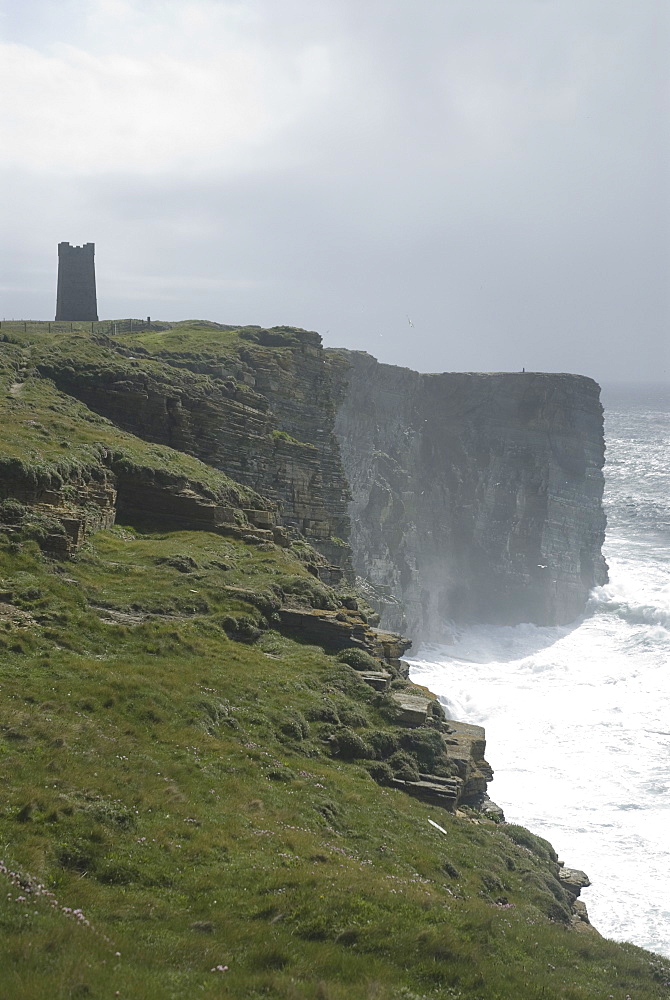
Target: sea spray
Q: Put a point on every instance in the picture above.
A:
(578, 717)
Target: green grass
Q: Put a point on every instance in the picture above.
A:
(49, 436)
(195, 340)
(172, 800)
(283, 436)
(154, 778)
(188, 337)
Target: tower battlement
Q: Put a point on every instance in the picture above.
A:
(76, 297)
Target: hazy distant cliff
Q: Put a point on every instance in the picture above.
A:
(476, 497)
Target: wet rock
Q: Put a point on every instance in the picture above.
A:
(378, 679)
(412, 710)
(465, 745)
(440, 792)
(573, 880)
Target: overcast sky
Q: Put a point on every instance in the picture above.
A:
(495, 172)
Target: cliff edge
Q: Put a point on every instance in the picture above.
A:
(476, 497)
(216, 773)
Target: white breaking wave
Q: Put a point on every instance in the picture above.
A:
(638, 602)
(577, 718)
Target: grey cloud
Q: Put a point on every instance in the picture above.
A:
(498, 173)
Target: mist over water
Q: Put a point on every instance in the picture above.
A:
(578, 718)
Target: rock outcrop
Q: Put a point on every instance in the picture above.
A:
(60, 514)
(476, 497)
(265, 418)
(463, 748)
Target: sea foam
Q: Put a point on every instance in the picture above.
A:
(577, 718)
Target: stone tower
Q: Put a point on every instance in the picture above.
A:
(76, 298)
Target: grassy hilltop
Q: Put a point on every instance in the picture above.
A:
(195, 803)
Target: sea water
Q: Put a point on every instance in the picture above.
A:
(577, 718)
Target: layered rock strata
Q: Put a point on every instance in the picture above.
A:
(476, 497)
(65, 510)
(265, 418)
(464, 747)
(64, 513)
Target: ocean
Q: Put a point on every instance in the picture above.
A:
(577, 718)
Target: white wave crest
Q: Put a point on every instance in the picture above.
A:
(625, 600)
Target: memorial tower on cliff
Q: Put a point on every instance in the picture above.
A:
(76, 298)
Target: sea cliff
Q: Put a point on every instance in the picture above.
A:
(458, 497)
(217, 777)
(476, 497)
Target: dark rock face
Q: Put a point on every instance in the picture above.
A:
(285, 368)
(266, 421)
(476, 497)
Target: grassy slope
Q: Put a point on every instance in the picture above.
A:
(174, 785)
(202, 342)
(49, 435)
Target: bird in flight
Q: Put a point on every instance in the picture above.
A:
(409, 321)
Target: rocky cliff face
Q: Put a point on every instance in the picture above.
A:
(476, 497)
(263, 415)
